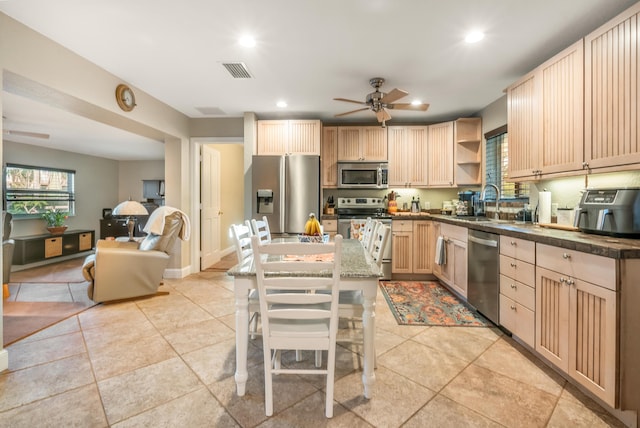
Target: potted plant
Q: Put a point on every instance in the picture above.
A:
(55, 220)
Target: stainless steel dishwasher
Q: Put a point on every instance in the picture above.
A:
(483, 289)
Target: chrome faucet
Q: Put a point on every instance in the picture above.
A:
(482, 197)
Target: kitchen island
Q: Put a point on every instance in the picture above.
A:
(358, 272)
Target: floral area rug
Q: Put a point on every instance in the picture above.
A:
(428, 303)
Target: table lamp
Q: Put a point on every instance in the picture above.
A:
(131, 209)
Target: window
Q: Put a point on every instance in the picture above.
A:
(497, 167)
(31, 190)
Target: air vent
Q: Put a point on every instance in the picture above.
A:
(211, 111)
(237, 70)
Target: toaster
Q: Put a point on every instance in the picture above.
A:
(614, 212)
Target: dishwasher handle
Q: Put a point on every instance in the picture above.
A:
(485, 242)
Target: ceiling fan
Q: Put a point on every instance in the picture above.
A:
(24, 133)
(380, 102)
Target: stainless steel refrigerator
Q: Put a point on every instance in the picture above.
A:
(285, 189)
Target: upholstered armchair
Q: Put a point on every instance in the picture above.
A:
(123, 270)
(8, 246)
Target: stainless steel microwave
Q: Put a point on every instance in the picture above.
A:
(363, 175)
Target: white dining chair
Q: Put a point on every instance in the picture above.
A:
(367, 232)
(295, 314)
(241, 236)
(261, 229)
(379, 242)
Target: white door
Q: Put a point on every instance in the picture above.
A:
(210, 207)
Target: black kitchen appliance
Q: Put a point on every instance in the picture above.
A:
(614, 212)
(469, 200)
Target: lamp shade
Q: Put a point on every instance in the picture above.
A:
(130, 208)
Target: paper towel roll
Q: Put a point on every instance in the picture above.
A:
(544, 207)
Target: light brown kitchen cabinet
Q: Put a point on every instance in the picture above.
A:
(468, 151)
(329, 156)
(576, 313)
(287, 137)
(453, 273)
(408, 157)
(362, 143)
(411, 247)
(330, 227)
(611, 92)
(517, 287)
(440, 155)
(545, 117)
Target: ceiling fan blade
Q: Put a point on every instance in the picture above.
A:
(394, 95)
(352, 111)
(350, 101)
(408, 106)
(383, 115)
(26, 134)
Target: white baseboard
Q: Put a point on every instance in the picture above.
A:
(4, 360)
(177, 273)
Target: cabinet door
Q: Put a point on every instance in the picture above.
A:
(329, 157)
(349, 143)
(522, 120)
(373, 143)
(440, 155)
(304, 137)
(402, 252)
(552, 317)
(592, 338)
(417, 162)
(423, 257)
(273, 136)
(398, 154)
(611, 92)
(562, 111)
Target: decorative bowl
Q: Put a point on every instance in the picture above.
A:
(317, 239)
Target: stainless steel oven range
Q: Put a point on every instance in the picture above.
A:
(357, 210)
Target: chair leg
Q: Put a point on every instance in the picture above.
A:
(268, 382)
(298, 355)
(253, 325)
(318, 358)
(331, 368)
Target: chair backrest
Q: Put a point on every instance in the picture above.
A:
(241, 235)
(379, 242)
(294, 287)
(365, 233)
(261, 230)
(173, 224)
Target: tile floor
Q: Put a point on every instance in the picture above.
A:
(169, 361)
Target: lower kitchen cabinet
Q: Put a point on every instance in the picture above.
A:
(576, 326)
(411, 247)
(454, 272)
(330, 227)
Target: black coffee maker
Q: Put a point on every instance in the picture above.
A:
(469, 203)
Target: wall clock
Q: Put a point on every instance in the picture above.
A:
(125, 97)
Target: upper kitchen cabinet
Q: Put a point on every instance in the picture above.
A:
(287, 137)
(545, 117)
(440, 155)
(329, 156)
(612, 113)
(468, 151)
(408, 164)
(362, 143)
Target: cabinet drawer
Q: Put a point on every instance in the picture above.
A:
(53, 247)
(454, 232)
(518, 248)
(517, 319)
(516, 269)
(402, 225)
(589, 267)
(85, 242)
(330, 226)
(518, 291)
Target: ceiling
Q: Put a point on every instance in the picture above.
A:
(306, 53)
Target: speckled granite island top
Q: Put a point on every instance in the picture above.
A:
(607, 246)
(355, 263)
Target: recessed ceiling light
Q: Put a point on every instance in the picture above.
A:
(247, 41)
(281, 104)
(474, 36)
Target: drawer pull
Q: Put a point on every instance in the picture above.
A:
(566, 256)
(562, 280)
(513, 286)
(570, 281)
(512, 265)
(513, 243)
(513, 308)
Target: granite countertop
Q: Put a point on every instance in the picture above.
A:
(356, 263)
(607, 246)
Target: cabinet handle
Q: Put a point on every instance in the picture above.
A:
(513, 243)
(513, 308)
(513, 286)
(566, 256)
(570, 281)
(512, 265)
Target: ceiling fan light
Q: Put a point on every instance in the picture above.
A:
(281, 104)
(474, 37)
(416, 102)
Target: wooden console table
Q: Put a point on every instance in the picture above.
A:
(36, 248)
